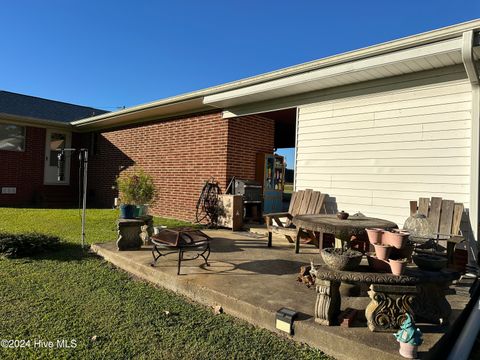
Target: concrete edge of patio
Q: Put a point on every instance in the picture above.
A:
(306, 331)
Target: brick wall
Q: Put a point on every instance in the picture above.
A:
(247, 136)
(180, 154)
(24, 170)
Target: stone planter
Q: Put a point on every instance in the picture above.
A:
(375, 235)
(408, 351)
(382, 251)
(397, 239)
(397, 266)
(338, 259)
(430, 262)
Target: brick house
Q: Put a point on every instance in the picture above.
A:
(373, 128)
(28, 126)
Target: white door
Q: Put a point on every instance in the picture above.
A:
(56, 140)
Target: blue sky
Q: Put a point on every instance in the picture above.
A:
(109, 54)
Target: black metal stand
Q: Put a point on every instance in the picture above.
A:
(204, 248)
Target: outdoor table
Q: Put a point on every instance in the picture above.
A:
(342, 229)
(418, 292)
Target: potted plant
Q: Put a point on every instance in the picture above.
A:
(137, 190)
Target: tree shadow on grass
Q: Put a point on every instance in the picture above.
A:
(64, 252)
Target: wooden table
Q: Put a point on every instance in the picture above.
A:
(342, 229)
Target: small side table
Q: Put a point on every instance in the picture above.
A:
(133, 233)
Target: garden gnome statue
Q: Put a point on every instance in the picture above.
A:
(409, 338)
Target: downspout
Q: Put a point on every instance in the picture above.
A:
(468, 59)
(296, 150)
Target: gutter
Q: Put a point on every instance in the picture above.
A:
(34, 122)
(434, 36)
(468, 58)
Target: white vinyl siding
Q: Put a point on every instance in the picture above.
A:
(374, 152)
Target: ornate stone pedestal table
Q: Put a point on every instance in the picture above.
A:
(133, 233)
(421, 293)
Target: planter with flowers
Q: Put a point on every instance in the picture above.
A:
(136, 190)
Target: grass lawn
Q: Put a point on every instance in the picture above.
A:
(72, 295)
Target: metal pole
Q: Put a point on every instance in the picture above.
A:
(84, 156)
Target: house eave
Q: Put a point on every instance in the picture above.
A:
(34, 122)
(142, 113)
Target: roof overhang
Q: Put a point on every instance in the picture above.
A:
(34, 122)
(419, 58)
(142, 113)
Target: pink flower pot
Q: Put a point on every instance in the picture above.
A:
(397, 266)
(397, 239)
(375, 235)
(408, 351)
(382, 251)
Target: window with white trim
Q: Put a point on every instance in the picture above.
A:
(12, 137)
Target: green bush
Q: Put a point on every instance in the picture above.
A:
(20, 245)
(136, 187)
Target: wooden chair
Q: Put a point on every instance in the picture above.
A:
(444, 217)
(303, 202)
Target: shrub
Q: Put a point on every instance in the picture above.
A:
(20, 245)
(136, 187)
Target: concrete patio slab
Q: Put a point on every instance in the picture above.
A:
(251, 282)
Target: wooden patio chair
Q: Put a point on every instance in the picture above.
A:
(303, 202)
(444, 217)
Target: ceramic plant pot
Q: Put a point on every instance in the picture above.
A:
(376, 264)
(142, 210)
(337, 259)
(398, 239)
(397, 266)
(127, 211)
(382, 251)
(375, 235)
(408, 351)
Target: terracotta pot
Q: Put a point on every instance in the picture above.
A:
(397, 266)
(377, 264)
(408, 351)
(397, 239)
(382, 251)
(375, 235)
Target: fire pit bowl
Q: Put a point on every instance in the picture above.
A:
(338, 259)
(430, 262)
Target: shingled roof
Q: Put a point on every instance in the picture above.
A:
(43, 109)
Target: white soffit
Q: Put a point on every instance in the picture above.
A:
(426, 57)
